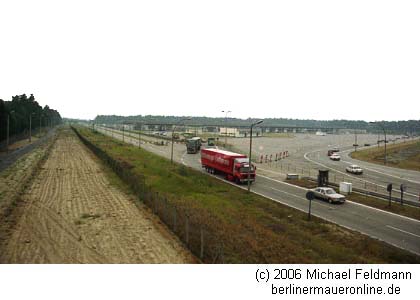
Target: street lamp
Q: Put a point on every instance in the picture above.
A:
(250, 153)
(40, 125)
(8, 129)
(355, 140)
(383, 128)
(173, 131)
(224, 111)
(141, 127)
(30, 126)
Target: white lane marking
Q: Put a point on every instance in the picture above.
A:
(335, 222)
(386, 174)
(299, 197)
(348, 201)
(389, 226)
(182, 158)
(351, 176)
(314, 214)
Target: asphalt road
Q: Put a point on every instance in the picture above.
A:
(397, 230)
(8, 159)
(308, 154)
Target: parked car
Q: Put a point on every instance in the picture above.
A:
(328, 194)
(335, 156)
(354, 169)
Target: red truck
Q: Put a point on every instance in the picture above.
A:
(233, 165)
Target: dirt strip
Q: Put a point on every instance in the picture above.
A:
(72, 213)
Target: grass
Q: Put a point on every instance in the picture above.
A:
(404, 210)
(253, 229)
(403, 155)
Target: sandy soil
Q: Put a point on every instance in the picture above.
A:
(72, 214)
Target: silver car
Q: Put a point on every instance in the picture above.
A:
(328, 194)
(354, 169)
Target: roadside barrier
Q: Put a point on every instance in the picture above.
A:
(268, 158)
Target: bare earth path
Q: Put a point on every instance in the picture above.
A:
(72, 214)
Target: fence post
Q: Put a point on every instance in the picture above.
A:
(187, 230)
(174, 218)
(201, 243)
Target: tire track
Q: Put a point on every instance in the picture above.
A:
(72, 214)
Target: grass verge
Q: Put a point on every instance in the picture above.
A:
(252, 229)
(403, 155)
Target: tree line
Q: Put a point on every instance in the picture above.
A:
(398, 127)
(21, 110)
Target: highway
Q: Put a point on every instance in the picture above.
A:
(308, 154)
(397, 230)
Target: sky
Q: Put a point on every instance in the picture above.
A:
(356, 60)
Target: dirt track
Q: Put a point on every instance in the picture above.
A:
(72, 214)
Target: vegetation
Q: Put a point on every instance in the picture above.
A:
(253, 229)
(20, 109)
(400, 127)
(403, 155)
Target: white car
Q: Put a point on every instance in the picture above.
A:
(354, 169)
(335, 156)
(328, 194)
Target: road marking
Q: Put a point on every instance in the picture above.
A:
(182, 158)
(352, 176)
(282, 182)
(389, 226)
(348, 201)
(299, 197)
(315, 214)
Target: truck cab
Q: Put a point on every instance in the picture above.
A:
(240, 170)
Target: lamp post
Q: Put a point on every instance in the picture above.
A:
(355, 140)
(173, 131)
(123, 128)
(30, 126)
(8, 129)
(224, 111)
(250, 153)
(383, 128)
(39, 130)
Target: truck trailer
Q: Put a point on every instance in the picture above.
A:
(233, 166)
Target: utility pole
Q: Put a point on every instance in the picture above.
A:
(226, 125)
(385, 141)
(30, 127)
(39, 130)
(250, 154)
(8, 130)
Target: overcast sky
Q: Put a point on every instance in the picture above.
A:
(292, 59)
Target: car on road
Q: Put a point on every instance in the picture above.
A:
(367, 144)
(328, 194)
(332, 151)
(335, 156)
(354, 169)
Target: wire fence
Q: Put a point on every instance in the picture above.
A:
(196, 235)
